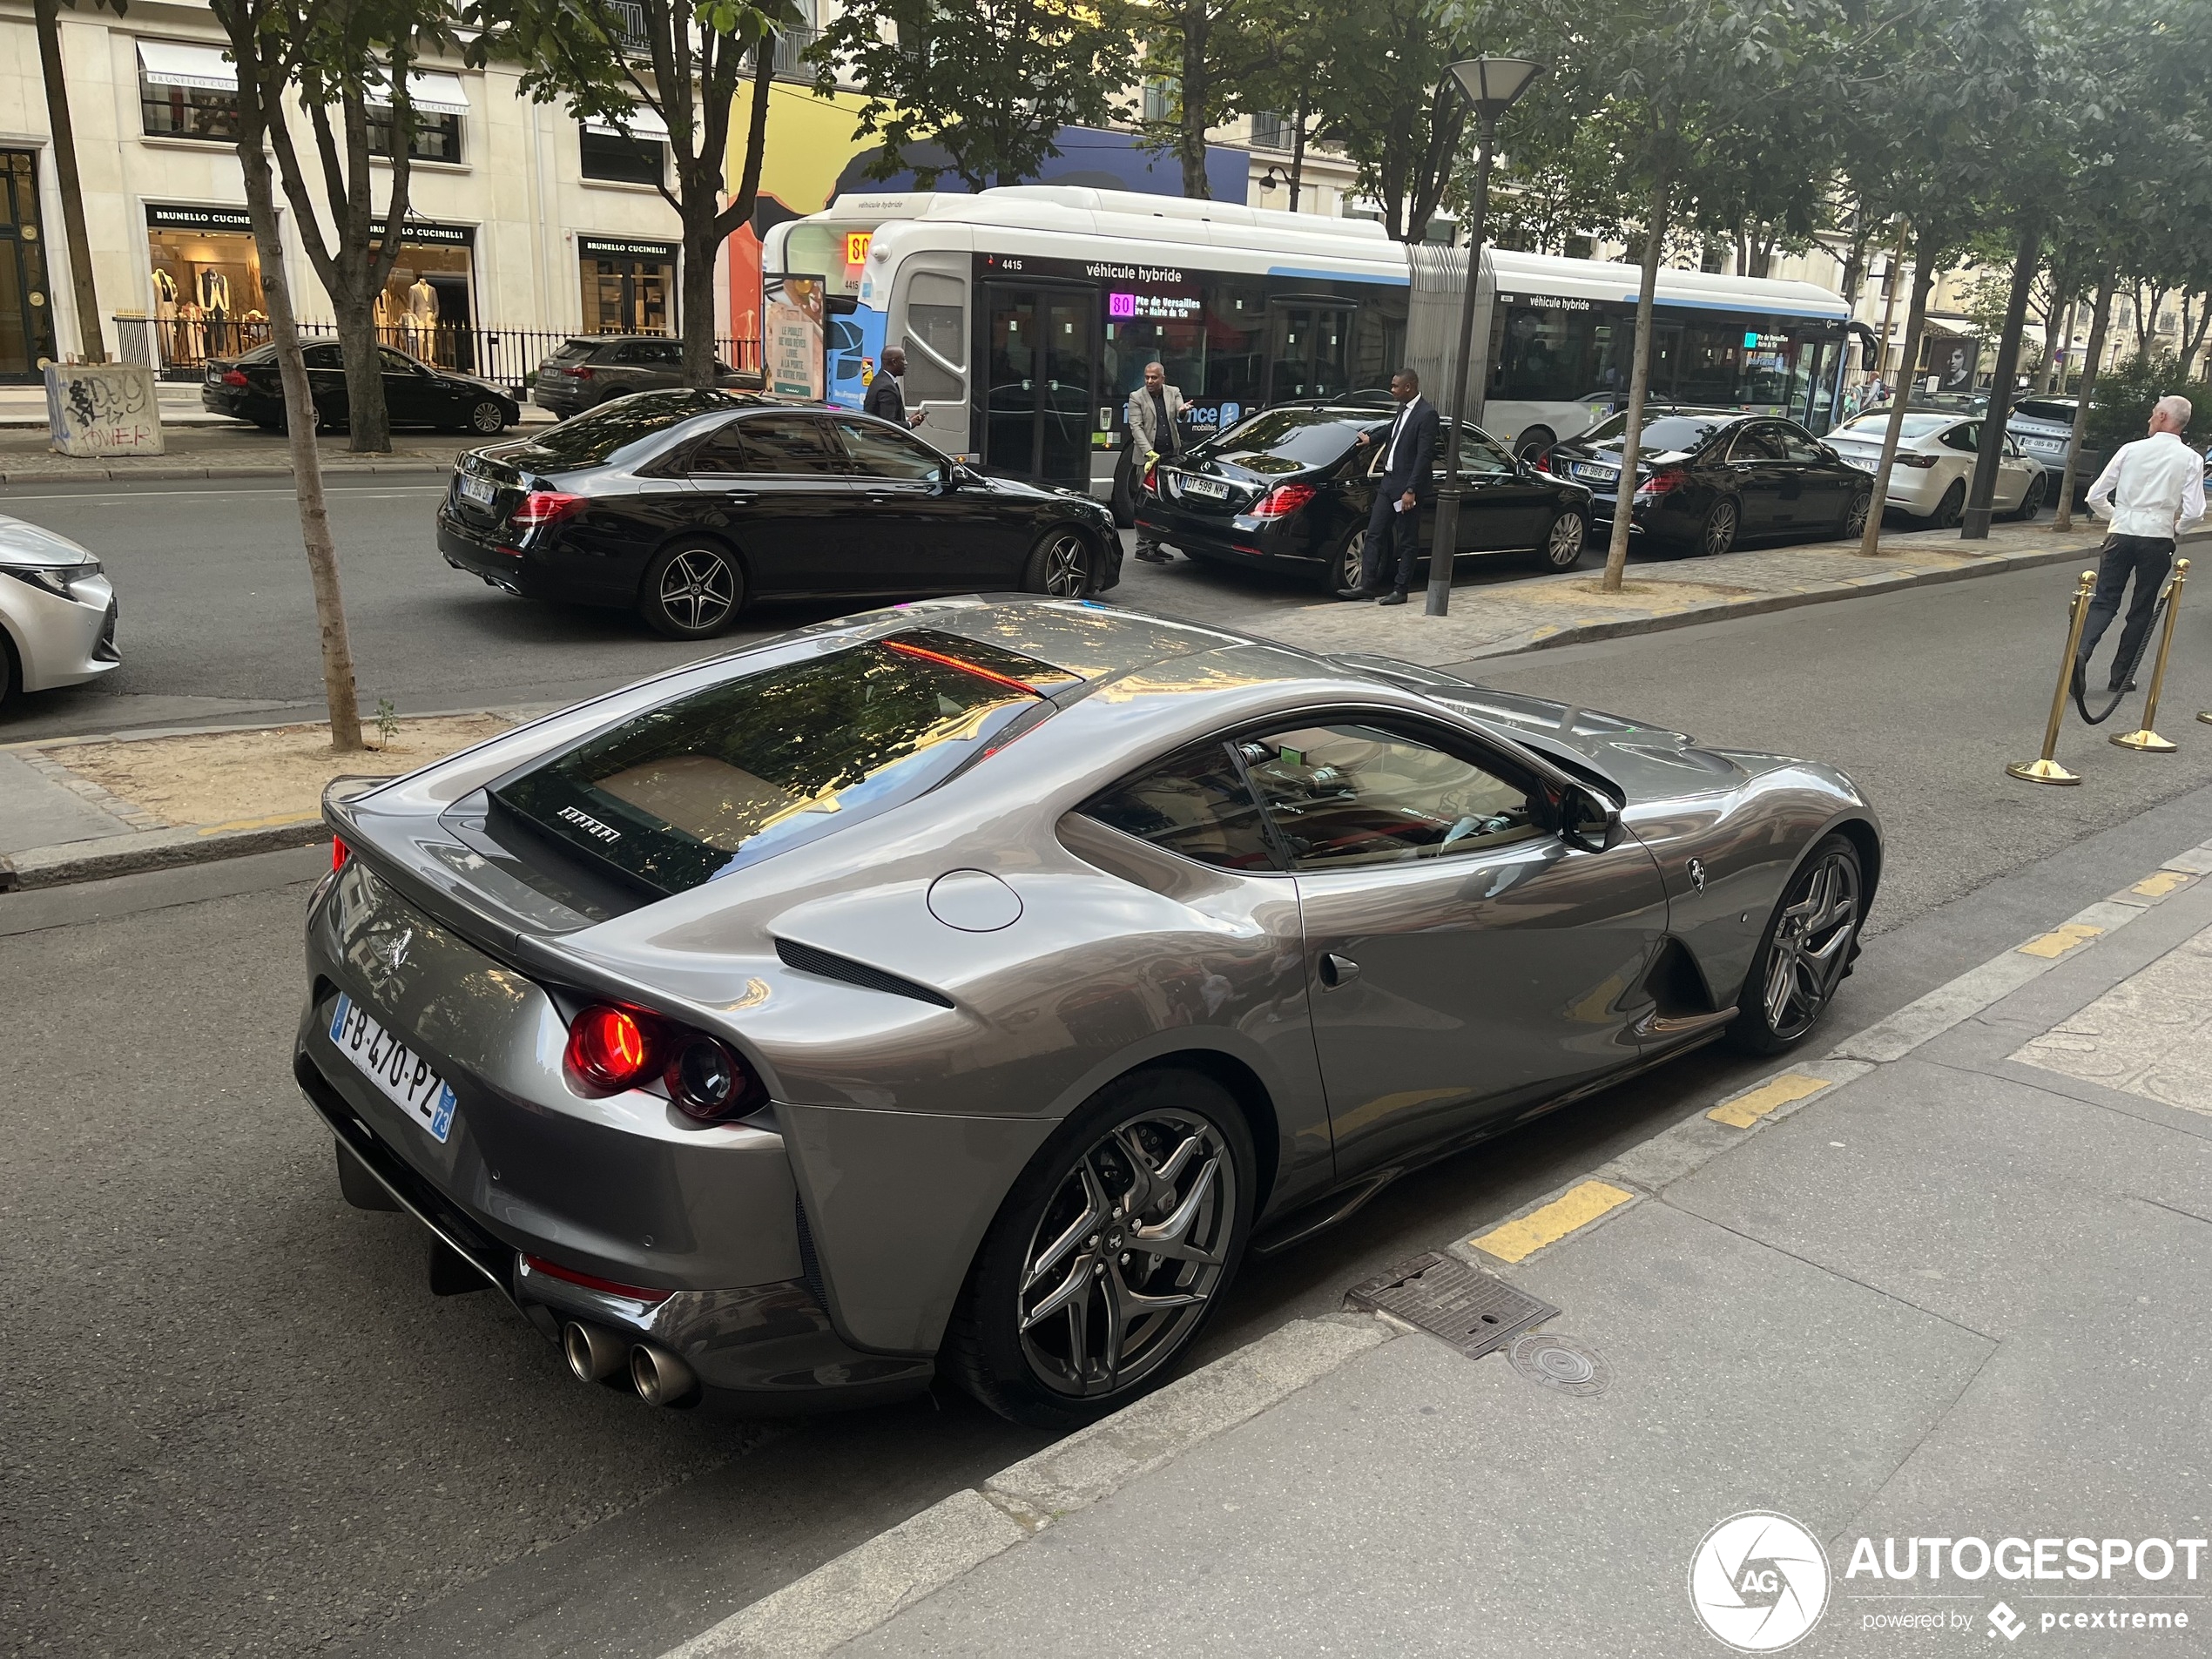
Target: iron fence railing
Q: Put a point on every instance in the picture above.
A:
(181, 348)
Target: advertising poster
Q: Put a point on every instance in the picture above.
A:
(794, 345)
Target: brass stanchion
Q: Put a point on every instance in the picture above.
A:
(2144, 741)
(2044, 770)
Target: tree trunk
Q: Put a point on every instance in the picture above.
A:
(702, 247)
(1298, 154)
(1191, 95)
(2027, 258)
(368, 420)
(92, 343)
(1889, 303)
(1654, 235)
(1916, 318)
(2100, 319)
(339, 691)
(2054, 355)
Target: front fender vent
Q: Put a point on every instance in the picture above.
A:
(809, 960)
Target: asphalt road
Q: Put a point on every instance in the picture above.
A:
(237, 1422)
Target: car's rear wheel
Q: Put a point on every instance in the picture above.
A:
(1806, 951)
(1562, 549)
(2031, 498)
(1345, 566)
(485, 416)
(1110, 1253)
(1855, 515)
(1059, 564)
(691, 591)
(1948, 510)
(1717, 534)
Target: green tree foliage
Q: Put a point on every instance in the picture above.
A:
(1217, 58)
(2125, 392)
(987, 82)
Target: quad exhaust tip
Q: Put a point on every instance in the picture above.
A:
(594, 1355)
(660, 1377)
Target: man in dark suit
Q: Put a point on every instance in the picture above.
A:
(886, 398)
(1407, 484)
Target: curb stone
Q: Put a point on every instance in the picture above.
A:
(870, 1584)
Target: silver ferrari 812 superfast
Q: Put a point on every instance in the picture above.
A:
(973, 984)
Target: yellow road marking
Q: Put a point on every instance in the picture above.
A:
(1517, 1240)
(2060, 940)
(1746, 1109)
(2159, 883)
(259, 823)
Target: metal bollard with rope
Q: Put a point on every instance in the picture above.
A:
(2043, 769)
(2143, 739)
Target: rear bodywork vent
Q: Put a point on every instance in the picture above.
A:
(809, 960)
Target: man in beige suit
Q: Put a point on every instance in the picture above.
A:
(1155, 433)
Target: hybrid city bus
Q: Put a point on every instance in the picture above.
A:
(1029, 312)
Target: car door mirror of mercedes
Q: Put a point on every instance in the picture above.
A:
(1587, 822)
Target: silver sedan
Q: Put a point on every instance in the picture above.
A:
(972, 986)
(56, 613)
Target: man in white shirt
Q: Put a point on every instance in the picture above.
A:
(2150, 490)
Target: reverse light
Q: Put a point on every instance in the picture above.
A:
(705, 1080)
(542, 507)
(582, 372)
(234, 377)
(1283, 500)
(609, 1048)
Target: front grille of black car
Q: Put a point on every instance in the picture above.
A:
(809, 960)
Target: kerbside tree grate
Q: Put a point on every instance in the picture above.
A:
(1467, 1307)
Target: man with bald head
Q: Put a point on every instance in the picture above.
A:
(2151, 489)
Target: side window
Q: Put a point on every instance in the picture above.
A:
(718, 453)
(323, 357)
(1799, 444)
(788, 443)
(878, 452)
(1194, 803)
(936, 339)
(1965, 438)
(1754, 443)
(1344, 794)
(394, 362)
(1479, 457)
(661, 354)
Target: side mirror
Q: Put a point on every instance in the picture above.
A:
(1588, 822)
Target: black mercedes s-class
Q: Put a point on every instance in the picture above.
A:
(246, 387)
(1707, 477)
(687, 505)
(1291, 488)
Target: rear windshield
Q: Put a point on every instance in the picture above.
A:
(588, 438)
(1668, 432)
(2045, 409)
(1307, 437)
(1875, 425)
(573, 351)
(727, 777)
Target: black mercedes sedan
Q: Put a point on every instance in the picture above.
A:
(684, 506)
(1290, 489)
(415, 393)
(1707, 478)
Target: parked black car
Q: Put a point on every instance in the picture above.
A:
(687, 505)
(587, 370)
(1291, 488)
(1707, 477)
(415, 393)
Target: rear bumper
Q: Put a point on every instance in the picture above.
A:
(560, 404)
(239, 404)
(1239, 541)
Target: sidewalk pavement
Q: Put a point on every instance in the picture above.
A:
(1949, 1282)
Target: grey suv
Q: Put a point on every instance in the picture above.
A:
(588, 369)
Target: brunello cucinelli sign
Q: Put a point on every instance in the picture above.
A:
(161, 216)
(424, 233)
(616, 247)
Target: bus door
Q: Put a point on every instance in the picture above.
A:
(1309, 349)
(1040, 382)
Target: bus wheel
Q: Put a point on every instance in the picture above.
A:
(1536, 441)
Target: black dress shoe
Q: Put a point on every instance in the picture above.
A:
(1395, 597)
(1152, 555)
(1361, 594)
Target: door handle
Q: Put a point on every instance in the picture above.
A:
(1338, 970)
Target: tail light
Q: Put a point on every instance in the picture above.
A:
(612, 1048)
(234, 377)
(1540, 459)
(580, 371)
(1281, 500)
(1659, 482)
(545, 507)
(1152, 479)
(1922, 461)
(338, 853)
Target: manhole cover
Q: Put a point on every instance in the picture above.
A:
(1561, 1364)
(1466, 1306)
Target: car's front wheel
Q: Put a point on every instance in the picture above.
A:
(691, 591)
(1806, 951)
(2031, 499)
(1562, 549)
(1059, 565)
(1110, 1253)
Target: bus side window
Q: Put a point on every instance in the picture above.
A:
(936, 339)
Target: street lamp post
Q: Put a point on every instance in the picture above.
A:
(1491, 85)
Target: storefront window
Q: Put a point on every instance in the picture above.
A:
(629, 288)
(425, 308)
(438, 135)
(206, 284)
(618, 158)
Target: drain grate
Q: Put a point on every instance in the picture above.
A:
(1466, 1306)
(1561, 1364)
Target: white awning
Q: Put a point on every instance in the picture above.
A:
(430, 89)
(644, 122)
(167, 64)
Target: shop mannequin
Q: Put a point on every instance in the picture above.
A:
(165, 311)
(421, 316)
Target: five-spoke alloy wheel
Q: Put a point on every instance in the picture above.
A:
(1806, 952)
(1110, 1252)
(1060, 565)
(691, 591)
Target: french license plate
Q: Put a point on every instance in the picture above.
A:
(404, 1076)
(1596, 473)
(479, 490)
(1212, 489)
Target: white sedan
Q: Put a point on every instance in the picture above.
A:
(56, 613)
(1935, 465)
